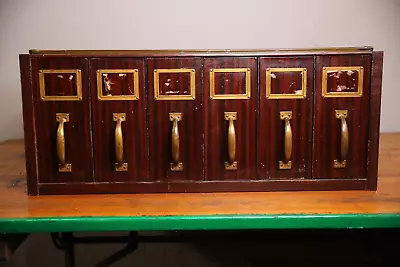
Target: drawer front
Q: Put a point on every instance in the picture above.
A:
(62, 118)
(230, 100)
(285, 132)
(175, 119)
(341, 116)
(119, 119)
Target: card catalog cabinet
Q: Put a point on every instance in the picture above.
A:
(201, 121)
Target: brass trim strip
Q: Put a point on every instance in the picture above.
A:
(201, 51)
(192, 87)
(270, 95)
(246, 95)
(78, 82)
(100, 95)
(326, 70)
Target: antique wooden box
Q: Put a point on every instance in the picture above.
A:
(201, 121)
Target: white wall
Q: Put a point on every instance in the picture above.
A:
(130, 24)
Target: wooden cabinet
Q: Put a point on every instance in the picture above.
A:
(119, 119)
(230, 97)
(175, 115)
(341, 116)
(61, 108)
(201, 121)
(285, 132)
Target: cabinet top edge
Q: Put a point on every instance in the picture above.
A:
(204, 52)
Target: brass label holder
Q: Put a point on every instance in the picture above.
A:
(231, 164)
(246, 95)
(78, 83)
(344, 142)
(62, 118)
(120, 165)
(268, 76)
(192, 86)
(286, 116)
(327, 70)
(176, 165)
(101, 72)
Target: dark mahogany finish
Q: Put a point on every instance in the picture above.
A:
(327, 132)
(190, 127)
(216, 127)
(134, 129)
(203, 130)
(271, 130)
(78, 141)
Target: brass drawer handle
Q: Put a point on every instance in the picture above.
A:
(120, 165)
(231, 164)
(62, 118)
(288, 141)
(176, 165)
(344, 139)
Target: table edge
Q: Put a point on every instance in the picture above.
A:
(199, 222)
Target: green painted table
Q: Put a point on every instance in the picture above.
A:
(20, 213)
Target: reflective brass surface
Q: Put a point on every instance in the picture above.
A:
(298, 95)
(192, 86)
(120, 165)
(78, 82)
(286, 116)
(344, 139)
(100, 73)
(327, 70)
(62, 118)
(176, 165)
(231, 164)
(247, 93)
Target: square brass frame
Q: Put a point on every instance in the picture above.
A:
(100, 95)
(246, 95)
(158, 96)
(270, 95)
(326, 70)
(78, 81)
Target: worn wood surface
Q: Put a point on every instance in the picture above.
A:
(14, 202)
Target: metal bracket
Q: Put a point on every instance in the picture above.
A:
(286, 115)
(176, 115)
(339, 164)
(341, 113)
(230, 115)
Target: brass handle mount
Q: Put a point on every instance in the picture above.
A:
(120, 165)
(286, 116)
(231, 164)
(176, 165)
(62, 118)
(344, 139)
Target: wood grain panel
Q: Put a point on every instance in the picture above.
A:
(134, 129)
(28, 112)
(190, 127)
(327, 133)
(374, 119)
(271, 130)
(78, 141)
(216, 127)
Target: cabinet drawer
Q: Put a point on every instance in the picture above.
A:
(119, 120)
(285, 132)
(230, 98)
(62, 117)
(341, 116)
(175, 118)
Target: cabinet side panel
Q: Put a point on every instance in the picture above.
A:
(29, 124)
(374, 119)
